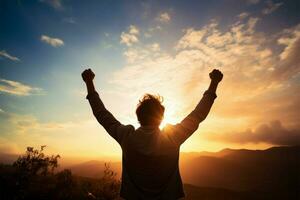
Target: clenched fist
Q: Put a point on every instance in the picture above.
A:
(88, 75)
(216, 75)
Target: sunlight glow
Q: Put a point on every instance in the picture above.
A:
(170, 116)
(156, 54)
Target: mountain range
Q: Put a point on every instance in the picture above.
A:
(273, 173)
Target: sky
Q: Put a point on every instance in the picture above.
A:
(137, 47)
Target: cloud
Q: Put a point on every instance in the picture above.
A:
(133, 30)
(243, 15)
(289, 62)
(55, 42)
(4, 54)
(164, 17)
(289, 41)
(197, 49)
(131, 55)
(155, 47)
(271, 7)
(17, 88)
(273, 133)
(138, 54)
(56, 4)
(20, 131)
(259, 82)
(130, 37)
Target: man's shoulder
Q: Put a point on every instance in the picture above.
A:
(169, 128)
(128, 128)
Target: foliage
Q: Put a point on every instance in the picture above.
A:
(35, 162)
(32, 176)
(107, 188)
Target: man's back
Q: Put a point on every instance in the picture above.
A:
(150, 166)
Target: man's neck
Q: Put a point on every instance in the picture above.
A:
(150, 127)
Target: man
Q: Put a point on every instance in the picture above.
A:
(150, 155)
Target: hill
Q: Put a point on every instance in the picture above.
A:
(273, 173)
(261, 171)
(95, 168)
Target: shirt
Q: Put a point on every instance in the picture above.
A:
(150, 156)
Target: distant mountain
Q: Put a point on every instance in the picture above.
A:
(8, 158)
(193, 192)
(273, 173)
(95, 168)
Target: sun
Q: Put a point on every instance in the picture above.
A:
(170, 116)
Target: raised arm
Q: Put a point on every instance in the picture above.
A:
(104, 117)
(190, 123)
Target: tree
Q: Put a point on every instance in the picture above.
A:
(35, 162)
(34, 174)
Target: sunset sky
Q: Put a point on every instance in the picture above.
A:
(137, 47)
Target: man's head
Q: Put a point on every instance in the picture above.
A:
(150, 111)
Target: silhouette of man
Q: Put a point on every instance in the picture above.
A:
(149, 155)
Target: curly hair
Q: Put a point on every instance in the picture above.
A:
(150, 110)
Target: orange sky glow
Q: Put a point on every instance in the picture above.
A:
(257, 104)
